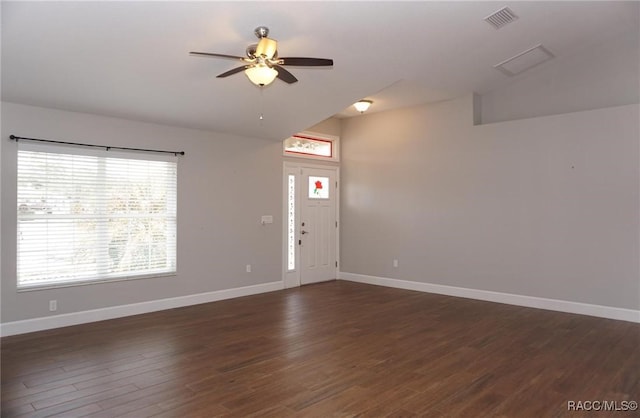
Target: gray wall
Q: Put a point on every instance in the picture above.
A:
(225, 184)
(542, 207)
(545, 207)
(330, 126)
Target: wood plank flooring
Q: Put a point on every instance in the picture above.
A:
(335, 349)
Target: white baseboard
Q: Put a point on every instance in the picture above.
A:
(609, 312)
(75, 318)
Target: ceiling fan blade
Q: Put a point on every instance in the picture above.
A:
(210, 54)
(266, 47)
(285, 75)
(306, 62)
(233, 71)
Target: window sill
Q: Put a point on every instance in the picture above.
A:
(91, 282)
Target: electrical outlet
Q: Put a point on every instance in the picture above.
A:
(395, 262)
(248, 268)
(53, 305)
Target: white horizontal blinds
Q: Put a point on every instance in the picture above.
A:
(92, 216)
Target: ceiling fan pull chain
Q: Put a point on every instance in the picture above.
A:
(261, 103)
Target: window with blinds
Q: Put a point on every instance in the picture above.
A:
(87, 215)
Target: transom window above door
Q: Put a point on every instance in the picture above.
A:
(311, 146)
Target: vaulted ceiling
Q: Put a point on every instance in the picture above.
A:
(130, 59)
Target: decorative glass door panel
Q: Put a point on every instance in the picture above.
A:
(318, 187)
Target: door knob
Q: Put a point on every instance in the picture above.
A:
(303, 232)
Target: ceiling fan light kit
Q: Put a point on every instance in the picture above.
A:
(261, 75)
(262, 64)
(362, 105)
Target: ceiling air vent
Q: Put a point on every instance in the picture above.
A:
(501, 18)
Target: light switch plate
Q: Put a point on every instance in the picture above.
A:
(266, 219)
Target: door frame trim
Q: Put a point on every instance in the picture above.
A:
(292, 278)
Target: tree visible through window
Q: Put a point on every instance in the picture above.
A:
(92, 217)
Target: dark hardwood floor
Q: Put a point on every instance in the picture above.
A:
(328, 350)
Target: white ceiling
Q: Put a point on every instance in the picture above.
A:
(130, 59)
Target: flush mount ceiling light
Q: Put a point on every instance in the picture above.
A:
(362, 105)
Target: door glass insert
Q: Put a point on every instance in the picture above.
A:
(291, 222)
(318, 187)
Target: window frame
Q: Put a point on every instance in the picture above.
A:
(333, 140)
(170, 214)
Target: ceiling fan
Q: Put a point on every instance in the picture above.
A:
(262, 64)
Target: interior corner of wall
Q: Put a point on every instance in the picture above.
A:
(477, 109)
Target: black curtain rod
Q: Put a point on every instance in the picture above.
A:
(106, 147)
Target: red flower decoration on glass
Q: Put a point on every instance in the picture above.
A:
(318, 187)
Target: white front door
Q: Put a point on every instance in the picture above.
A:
(311, 237)
(318, 226)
